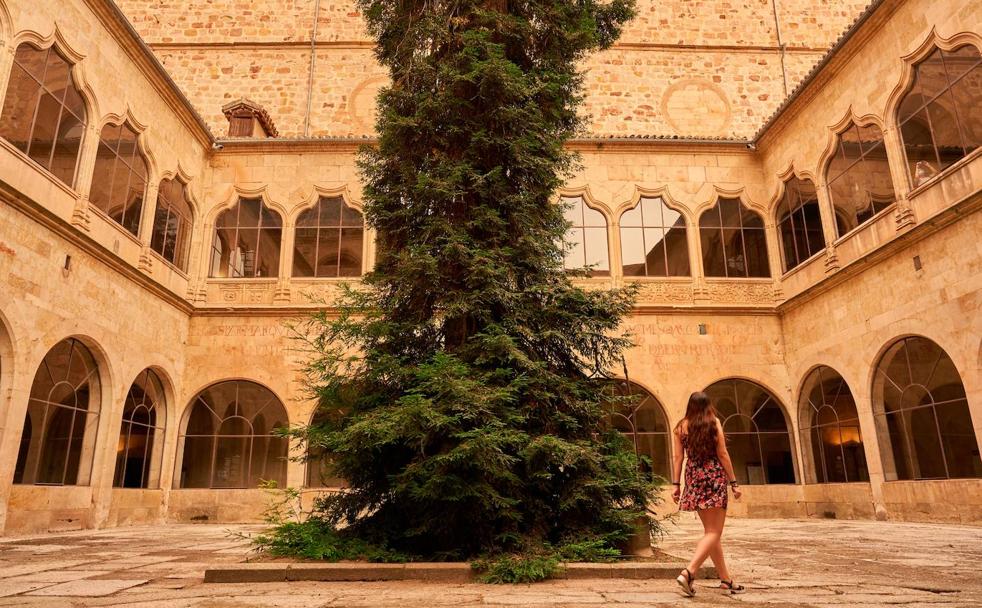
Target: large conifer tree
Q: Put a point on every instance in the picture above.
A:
(457, 382)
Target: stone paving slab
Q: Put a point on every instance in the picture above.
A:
(784, 563)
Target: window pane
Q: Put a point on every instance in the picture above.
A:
(134, 203)
(268, 262)
(655, 254)
(18, 108)
(929, 80)
(351, 252)
(756, 247)
(270, 218)
(351, 217)
(736, 262)
(678, 252)
(308, 218)
(967, 94)
(778, 462)
(714, 260)
(596, 250)
(731, 212)
(960, 61)
(958, 438)
(592, 217)
(788, 245)
(927, 457)
(744, 451)
(196, 463)
(120, 192)
(328, 247)
(632, 251)
(632, 217)
(248, 214)
(45, 130)
(709, 218)
(305, 252)
(944, 126)
(574, 249)
(655, 447)
(67, 146)
(32, 60)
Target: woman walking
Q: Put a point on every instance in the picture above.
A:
(708, 474)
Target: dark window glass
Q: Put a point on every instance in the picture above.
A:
(756, 431)
(940, 117)
(860, 185)
(799, 223)
(229, 440)
(830, 429)
(62, 414)
(585, 243)
(43, 114)
(171, 236)
(140, 447)
(733, 241)
(119, 182)
(653, 241)
(926, 429)
(641, 418)
(247, 241)
(329, 240)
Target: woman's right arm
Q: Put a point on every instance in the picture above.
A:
(678, 452)
(724, 458)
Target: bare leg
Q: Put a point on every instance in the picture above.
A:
(716, 554)
(712, 523)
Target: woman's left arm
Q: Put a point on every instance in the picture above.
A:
(678, 452)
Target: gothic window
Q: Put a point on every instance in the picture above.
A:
(858, 177)
(653, 241)
(923, 421)
(641, 418)
(58, 442)
(141, 437)
(228, 440)
(247, 241)
(319, 471)
(756, 430)
(329, 240)
(585, 242)
(43, 114)
(171, 236)
(733, 241)
(940, 117)
(799, 223)
(830, 427)
(119, 183)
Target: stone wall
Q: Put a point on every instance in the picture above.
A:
(723, 59)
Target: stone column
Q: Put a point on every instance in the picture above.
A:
(14, 402)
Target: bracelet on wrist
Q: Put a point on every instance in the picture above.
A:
(734, 483)
(675, 483)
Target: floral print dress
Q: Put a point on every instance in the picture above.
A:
(705, 483)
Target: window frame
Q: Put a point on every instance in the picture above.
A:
(783, 204)
(139, 154)
(809, 412)
(582, 227)
(183, 250)
(264, 208)
(720, 231)
(878, 204)
(923, 107)
(663, 204)
(72, 83)
(340, 228)
(156, 432)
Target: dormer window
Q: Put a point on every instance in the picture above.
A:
(247, 118)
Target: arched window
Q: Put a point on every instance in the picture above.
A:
(171, 236)
(43, 114)
(247, 241)
(141, 436)
(641, 417)
(799, 222)
(830, 426)
(58, 443)
(119, 182)
(757, 431)
(319, 471)
(228, 440)
(940, 117)
(923, 421)
(733, 241)
(653, 241)
(858, 176)
(585, 242)
(329, 239)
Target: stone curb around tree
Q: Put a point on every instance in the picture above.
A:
(451, 572)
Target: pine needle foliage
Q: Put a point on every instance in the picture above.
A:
(456, 384)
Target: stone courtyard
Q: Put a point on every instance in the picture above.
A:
(814, 563)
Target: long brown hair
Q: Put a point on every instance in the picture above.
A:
(700, 427)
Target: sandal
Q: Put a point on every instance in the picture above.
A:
(731, 586)
(684, 579)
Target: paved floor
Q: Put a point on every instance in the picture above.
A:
(783, 563)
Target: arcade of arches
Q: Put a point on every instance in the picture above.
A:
(818, 274)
